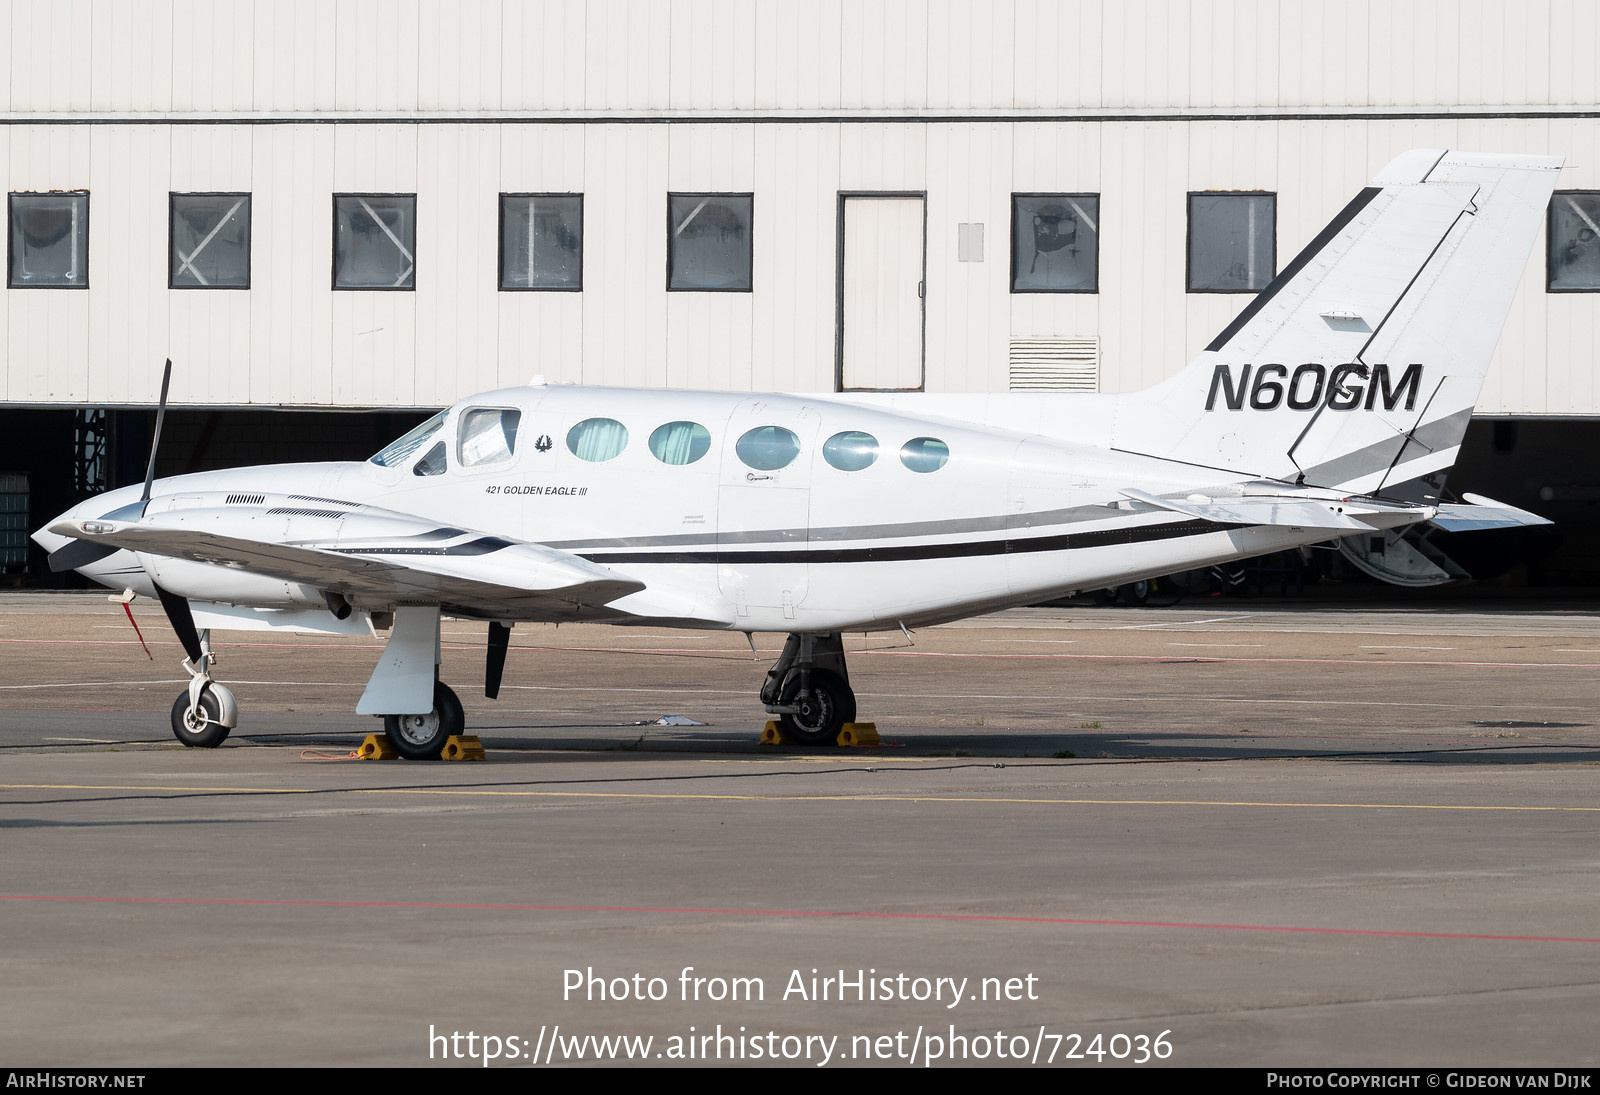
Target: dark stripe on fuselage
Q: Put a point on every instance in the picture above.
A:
(1139, 534)
(1274, 287)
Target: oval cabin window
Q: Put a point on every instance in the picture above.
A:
(851, 450)
(597, 439)
(680, 442)
(768, 448)
(924, 454)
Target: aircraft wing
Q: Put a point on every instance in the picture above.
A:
(378, 556)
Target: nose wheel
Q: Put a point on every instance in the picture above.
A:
(199, 726)
(204, 712)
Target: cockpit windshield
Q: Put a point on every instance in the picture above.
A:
(398, 451)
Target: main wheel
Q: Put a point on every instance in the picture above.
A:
(203, 730)
(422, 737)
(822, 713)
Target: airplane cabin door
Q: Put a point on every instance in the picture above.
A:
(764, 507)
(882, 272)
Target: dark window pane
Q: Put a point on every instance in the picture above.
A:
(541, 241)
(851, 450)
(708, 244)
(431, 464)
(210, 241)
(1231, 242)
(374, 241)
(49, 241)
(1055, 243)
(768, 448)
(924, 454)
(1575, 240)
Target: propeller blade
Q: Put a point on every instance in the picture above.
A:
(182, 620)
(79, 553)
(155, 441)
(495, 663)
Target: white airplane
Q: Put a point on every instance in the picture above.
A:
(1332, 406)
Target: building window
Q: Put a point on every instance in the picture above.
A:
(209, 241)
(708, 242)
(49, 241)
(1055, 243)
(1574, 264)
(541, 242)
(1232, 242)
(374, 241)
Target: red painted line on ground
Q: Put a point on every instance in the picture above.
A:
(814, 913)
(1208, 658)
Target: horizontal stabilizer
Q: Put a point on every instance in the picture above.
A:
(1484, 513)
(1345, 515)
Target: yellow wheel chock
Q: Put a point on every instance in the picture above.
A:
(456, 747)
(853, 734)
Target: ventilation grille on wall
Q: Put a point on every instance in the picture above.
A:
(1055, 365)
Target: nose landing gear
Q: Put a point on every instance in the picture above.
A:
(203, 713)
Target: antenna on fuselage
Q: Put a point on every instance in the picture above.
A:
(155, 440)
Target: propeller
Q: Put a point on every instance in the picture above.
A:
(161, 414)
(495, 662)
(176, 607)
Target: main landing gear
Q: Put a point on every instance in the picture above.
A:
(423, 737)
(204, 712)
(809, 689)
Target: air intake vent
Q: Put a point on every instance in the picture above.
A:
(246, 499)
(330, 501)
(1055, 365)
(299, 511)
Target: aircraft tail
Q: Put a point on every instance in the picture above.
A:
(1358, 367)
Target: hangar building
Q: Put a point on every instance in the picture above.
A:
(333, 216)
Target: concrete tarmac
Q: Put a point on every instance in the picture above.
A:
(1234, 835)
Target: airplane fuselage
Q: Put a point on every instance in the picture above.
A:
(841, 516)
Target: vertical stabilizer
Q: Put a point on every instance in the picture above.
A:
(1357, 368)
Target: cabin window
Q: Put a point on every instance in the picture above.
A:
(1055, 243)
(597, 439)
(851, 450)
(398, 451)
(375, 241)
(208, 241)
(488, 436)
(49, 241)
(924, 454)
(708, 242)
(1232, 242)
(1574, 260)
(768, 448)
(680, 442)
(431, 464)
(541, 242)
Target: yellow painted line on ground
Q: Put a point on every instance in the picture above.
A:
(490, 792)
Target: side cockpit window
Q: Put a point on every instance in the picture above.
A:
(488, 435)
(397, 452)
(432, 463)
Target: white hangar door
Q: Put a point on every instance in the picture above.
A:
(881, 263)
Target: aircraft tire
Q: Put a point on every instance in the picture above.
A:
(831, 705)
(423, 737)
(207, 734)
